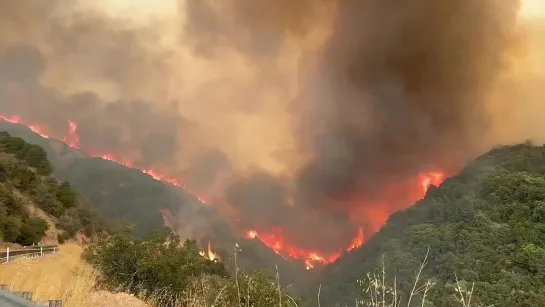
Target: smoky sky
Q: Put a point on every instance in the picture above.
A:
(398, 88)
(394, 88)
(103, 126)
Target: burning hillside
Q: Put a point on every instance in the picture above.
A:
(273, 238)
(305, 124)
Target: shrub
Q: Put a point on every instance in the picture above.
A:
(144, 266)
(32, 231)
(10, 227)
(66, 195)
(62, 237)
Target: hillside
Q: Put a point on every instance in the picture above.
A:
(35, 204)
(486, 225)
(118, 192)
(124, 194)
(163, 271)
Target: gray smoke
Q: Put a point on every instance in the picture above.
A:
(383, 90)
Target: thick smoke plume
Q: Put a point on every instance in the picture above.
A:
(312, 117)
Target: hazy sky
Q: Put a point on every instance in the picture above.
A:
(531, 8)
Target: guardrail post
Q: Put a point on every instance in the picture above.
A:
(41, 251)
(54, 249)
(7, 254)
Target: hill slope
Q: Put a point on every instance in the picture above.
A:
(121, 193)
(118, 192)
(33, 202)
(487, 225)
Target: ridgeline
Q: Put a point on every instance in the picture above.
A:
(484, 227)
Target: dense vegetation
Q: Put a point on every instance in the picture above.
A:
(26, 181)
(161, 269)
(484, 226)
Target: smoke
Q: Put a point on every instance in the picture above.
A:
(315, 116)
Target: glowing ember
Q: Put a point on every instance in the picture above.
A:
(274, 239)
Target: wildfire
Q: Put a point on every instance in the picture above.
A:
(431, 178)
(274, 239)
(16, 119)
(210, 255)
(72, 140)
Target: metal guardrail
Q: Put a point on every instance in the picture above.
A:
(27, 251)
(23, 299)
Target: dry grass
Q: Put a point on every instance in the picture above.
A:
(381, 294)
(62, 276)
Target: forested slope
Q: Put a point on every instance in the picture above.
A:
(27, 185)
(486, 225)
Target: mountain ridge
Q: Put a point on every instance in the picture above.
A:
(485, 225)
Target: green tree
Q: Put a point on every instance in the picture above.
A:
(32, 231)
(25, 180)
(66, 195)
(10, 227)
(37, 158)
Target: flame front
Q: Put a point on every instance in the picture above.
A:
(274, 239)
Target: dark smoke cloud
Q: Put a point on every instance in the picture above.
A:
(399, 88)
(406, 84)
(206, 168)
(395, 88)
(133, 129)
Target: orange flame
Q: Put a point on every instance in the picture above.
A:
(429, 179)
(210, 255)
(274, 239)
(72, 139)
(16, 119)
